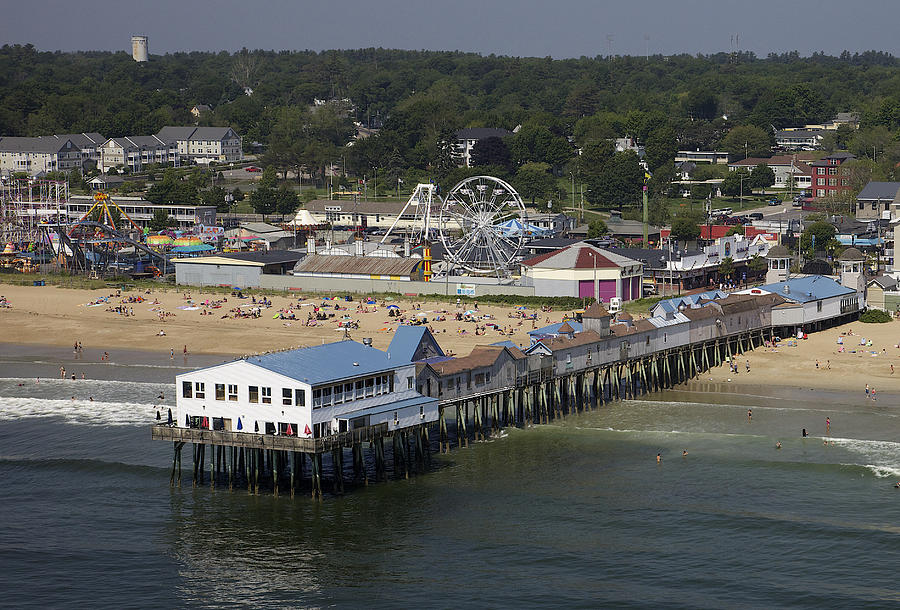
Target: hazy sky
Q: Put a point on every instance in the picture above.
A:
(560, 28)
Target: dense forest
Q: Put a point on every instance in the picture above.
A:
(417, 99)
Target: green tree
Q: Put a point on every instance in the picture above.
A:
(214, 196)
(736, 230)
(747, 141)
(160, 220)
(700, 191)
(533, 181)
(757, 265)
(731, 185)
(817, 236)
(269, 178)
(685, 229)
(762, 177)
(491, 151)
(661, 147)
(619, 183)
(263, 201)
(286, 201)
(597, 228)
(726, 267)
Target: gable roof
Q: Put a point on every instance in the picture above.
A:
(885, 281)
(879, 190)
(48, 145)
(325, 363)
(413, 343)
(175, 134)
(553, 329)
(481, 356)
(581, 255)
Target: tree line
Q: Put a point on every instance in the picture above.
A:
(416, 100)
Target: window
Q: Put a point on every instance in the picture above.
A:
(409, 383)
(267, 395)
(286, 397)
(186, 388)
(232, 392)
(199, 390)
(832, 182)
(832, 171)
(317, 399)
(370, 387)
(820, 171)
(820, 181)
(220, 391)
(253, 393)
(360, 391)
(348, 392)
(326, 396)
(300, 398)
(338, 391)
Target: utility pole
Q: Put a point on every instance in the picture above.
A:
(646, 214)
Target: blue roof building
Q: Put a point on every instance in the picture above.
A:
(412, 344)
(311, 392)
(812, 302)
(668, 307)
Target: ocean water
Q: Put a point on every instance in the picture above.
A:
(577, 513)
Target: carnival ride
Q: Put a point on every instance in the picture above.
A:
(481, 224)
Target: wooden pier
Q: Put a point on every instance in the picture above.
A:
(287, 463)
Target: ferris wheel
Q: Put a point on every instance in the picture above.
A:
(482, 225)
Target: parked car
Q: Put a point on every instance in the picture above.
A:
(756, 216)
(774, 201)
(252, 168)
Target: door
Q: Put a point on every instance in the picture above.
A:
(586, 289)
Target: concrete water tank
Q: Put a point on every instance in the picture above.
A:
(139, 48)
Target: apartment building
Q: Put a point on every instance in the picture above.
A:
(204, 144)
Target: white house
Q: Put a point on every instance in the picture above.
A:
(310, 392)
(204, 144)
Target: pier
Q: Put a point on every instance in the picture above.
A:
(277, 463)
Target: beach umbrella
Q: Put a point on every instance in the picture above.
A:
(240, 426)
(471, 312)
(393, 307)
(290, 431)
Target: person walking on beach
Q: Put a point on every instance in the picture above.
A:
(873, 394)
(749, 415)
(867, 391)
(171, 353)
(748, 366)
(62, 372)
(658, 458)
(185, 351)
(827, 425)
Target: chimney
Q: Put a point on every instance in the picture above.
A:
(310, 245)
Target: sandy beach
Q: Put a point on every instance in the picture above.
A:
(47, 315)
(50, 315)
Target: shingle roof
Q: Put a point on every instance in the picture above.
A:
(33, 145)
(595, 310)
(579, 256)
(174, 134)
(566, 329)
(481, 356)
(879, 190)
(325, 363)
(778, 251)
(851, 254)
(561, 343)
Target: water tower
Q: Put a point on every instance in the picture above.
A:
(139, 48)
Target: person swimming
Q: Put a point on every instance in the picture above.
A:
(778, 445)
(684, 453)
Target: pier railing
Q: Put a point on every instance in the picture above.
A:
(163, 432)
